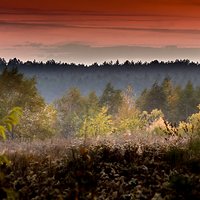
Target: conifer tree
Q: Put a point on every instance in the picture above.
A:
(171, 100)
(188, 103)
(111, 98)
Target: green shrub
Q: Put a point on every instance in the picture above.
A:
(7, 124)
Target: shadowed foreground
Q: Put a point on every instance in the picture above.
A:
(131, 168)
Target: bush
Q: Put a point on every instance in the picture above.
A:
(40, 124)
(7, 124)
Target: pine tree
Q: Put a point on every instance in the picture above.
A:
(152, 99)
(171, 100)
(111, 98)
(188, 103)
(92, 104)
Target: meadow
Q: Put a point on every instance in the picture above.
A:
(137, 166)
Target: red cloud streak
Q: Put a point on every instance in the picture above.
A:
(167, 7)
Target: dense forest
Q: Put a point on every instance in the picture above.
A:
(114, 110)
(53, 78)
(99, 143)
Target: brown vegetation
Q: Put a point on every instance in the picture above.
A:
(136, 167)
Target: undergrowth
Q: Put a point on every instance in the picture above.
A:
(103, 169)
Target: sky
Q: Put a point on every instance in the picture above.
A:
(88, 31)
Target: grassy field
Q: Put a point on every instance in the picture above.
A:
(137, 166)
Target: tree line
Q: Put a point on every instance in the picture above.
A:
(14, 62)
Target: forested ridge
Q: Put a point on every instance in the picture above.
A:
(53, 78)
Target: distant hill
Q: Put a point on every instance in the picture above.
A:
(53, 79)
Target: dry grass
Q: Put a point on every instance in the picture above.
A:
(58, 146)
(137, 166)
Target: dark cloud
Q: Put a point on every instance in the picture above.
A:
(33, 24)
(160, 30)
(40, 12)
(46, 24)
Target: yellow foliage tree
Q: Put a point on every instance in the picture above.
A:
(192, 126)
(127, 118)
(99, 124)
